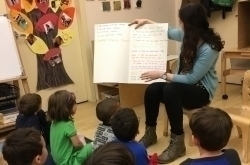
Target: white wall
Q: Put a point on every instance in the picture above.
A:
(162, 11)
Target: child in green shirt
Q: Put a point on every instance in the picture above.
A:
(66, 147)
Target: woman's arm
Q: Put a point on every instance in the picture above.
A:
(175, 34)
(203, 64)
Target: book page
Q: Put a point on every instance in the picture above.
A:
(148, 51)
(111, 53)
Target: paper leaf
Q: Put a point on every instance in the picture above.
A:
(43, 5)
(36, 44)
(29, 5)
(51, 53)
(54, 5)
(66, 18)
(65, 4)
(14, 4)
(67, 36)
(46, 22)
(20, 21)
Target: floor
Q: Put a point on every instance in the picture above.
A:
(86, 123)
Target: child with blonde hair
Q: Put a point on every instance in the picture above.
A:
(66, 146)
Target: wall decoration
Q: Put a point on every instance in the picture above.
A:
(20, 21)
(127, 4)
(64, 37)
(55, 5)
(117, 5)
(65, 4)
(36, 44)
(138, 3)
(46, 24)
(43, 5)
(66, 18)
(14, 4)
(29, 5)
(106, 6)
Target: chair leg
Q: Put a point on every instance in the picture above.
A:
(246, 144)
(165, 124)
(239, 131)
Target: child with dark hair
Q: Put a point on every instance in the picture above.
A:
(31, 114)
(121, 155)
(125, 125)
(211, 128)
(104, 111)
(66, 146)
(25, 147)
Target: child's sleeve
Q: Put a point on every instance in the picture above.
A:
(70, 129)
(43, 118)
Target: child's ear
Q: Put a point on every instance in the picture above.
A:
(195, 141)
(37, 160)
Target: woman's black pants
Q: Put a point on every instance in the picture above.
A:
(174, 96)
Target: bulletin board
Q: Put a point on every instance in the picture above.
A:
(162, 11)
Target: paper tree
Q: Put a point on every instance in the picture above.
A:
(46, 24)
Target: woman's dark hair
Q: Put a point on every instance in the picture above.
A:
(196, 27)
(112, 153)
(60, 106)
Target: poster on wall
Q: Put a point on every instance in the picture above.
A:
(46, 24)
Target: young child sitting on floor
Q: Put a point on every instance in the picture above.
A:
(104, 111)
(211, 128)
(25, 146)
(119, 153)
(125, 125)
(66, 147)
(31, 114)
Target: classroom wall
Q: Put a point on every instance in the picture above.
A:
(75, 62)
(162, 11)
(227, 28)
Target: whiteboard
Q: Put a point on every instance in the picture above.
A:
(10, 65)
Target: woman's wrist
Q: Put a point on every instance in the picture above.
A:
(169, 77)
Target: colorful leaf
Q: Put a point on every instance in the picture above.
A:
(67, 36)
(65, 4)
(29, 5)
(14, 4)
(47, 21)
(36, 44)
(54, 5)
(66, 18)
(43, 5)
(51, 53)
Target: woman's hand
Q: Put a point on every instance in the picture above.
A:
(151, 75)
(141, 22)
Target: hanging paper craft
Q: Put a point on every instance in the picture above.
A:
(20, 21)
(14, 4)
(64, 37)
(66, 18)
(52, 56)
(65, 4)
(117, 5)
(29, 5)
(36, 44)
(43, 5)
(138, 3)
(127, 4)
(54, 5)
(47, 23)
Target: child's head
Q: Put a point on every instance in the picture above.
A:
(62, 106)
(125, 124)
(25, 147)
(106, 109)
(211, 128)
(112, 153)
(29, 104)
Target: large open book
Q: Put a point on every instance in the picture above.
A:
(122, 53)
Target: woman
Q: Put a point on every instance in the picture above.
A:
(192, 86)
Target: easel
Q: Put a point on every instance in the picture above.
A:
(23, 79)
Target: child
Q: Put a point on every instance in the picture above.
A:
(25, 146)
(31, 114)
(211, 128)
(120, 154)
(125, 125)
(66, 147)
(104, 111)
